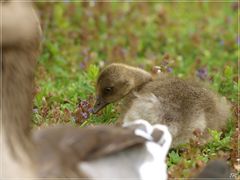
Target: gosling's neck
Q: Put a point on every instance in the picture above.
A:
(16, 107)
(17, 89)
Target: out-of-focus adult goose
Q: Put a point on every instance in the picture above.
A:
(180, 104)
(137, 151)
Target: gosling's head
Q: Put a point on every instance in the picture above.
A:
(113, 83)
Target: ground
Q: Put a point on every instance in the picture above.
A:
(195, 39)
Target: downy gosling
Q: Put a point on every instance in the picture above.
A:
(182, 105)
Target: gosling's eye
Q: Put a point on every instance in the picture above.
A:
(108, 90)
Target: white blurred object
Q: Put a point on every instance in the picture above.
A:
(143, 162)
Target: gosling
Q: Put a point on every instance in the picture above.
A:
(182, 105)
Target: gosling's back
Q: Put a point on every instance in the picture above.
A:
(182, 105)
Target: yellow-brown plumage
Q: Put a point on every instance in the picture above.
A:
(182, 105)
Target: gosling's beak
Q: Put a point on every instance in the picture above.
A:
(99, 104)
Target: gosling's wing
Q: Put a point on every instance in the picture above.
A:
(88, 143)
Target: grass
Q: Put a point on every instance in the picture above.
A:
(187, 39)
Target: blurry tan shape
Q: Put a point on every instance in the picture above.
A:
(20, 42)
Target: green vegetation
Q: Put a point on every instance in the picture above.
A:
(187, 39)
